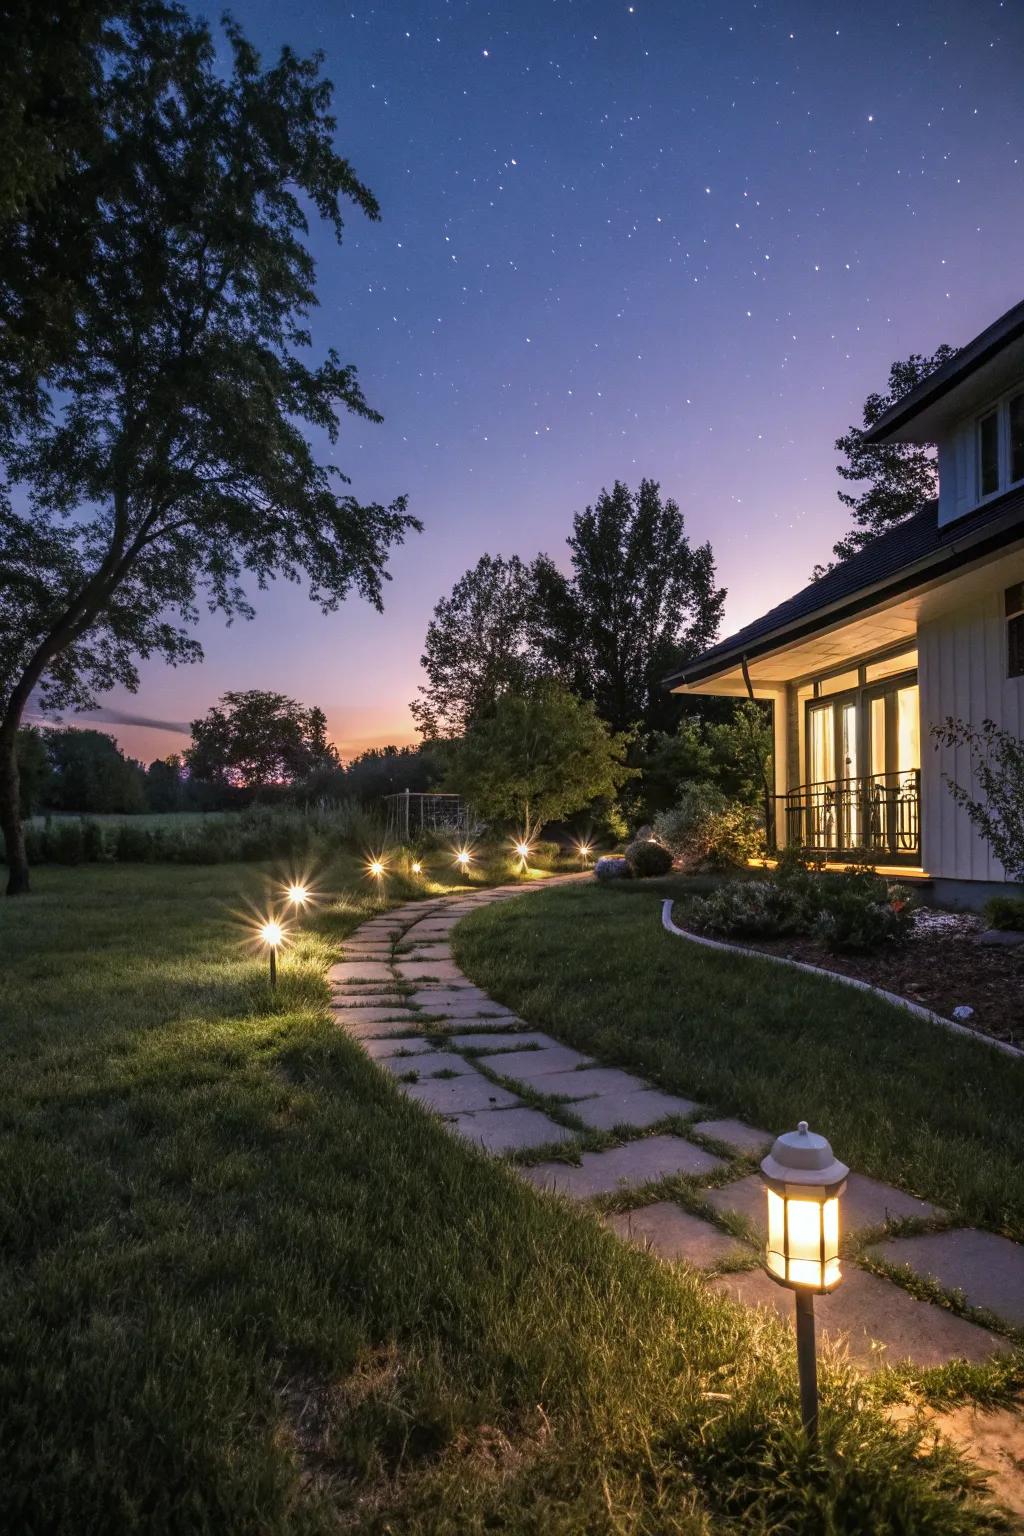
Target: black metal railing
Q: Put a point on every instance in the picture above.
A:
(873, 814)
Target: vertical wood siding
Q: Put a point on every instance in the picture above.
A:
(962, 672)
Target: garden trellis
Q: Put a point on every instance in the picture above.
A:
(410, 816)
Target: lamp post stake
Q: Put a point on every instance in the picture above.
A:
(273, 966)
(807, 1362)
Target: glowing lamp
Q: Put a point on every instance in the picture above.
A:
(804, 1183)
(272, 935)
(298, 895)
(376, 869)
(462, 858)
(417, 869)
(584, 850)
(523, 850)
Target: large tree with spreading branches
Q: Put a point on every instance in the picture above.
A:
(158, 460)
(898, 477)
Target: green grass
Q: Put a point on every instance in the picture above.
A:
(899, 1098)
(248, 1287)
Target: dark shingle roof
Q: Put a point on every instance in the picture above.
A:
(985, 346)
(885, 563)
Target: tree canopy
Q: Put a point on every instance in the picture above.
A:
(638, 601)
(160, 457)
(255, 739)
(538, 756)
(479, 645)
(900, 477)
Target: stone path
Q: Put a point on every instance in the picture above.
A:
(399, 992)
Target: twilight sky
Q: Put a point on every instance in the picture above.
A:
(667, 238)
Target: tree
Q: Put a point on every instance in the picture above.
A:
(997, 768)
(901, 476)
(166, 460)
(391, 770)
(90, 773)
(256, 739)
(537, 757)
(641, 600)
(34, 772)
(166, 785)
(478, 646)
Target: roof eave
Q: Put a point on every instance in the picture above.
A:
(936, 563)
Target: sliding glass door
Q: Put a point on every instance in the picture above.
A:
(863, 756)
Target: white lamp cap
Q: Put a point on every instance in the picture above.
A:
(803, 1157)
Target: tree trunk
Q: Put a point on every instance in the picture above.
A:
(10, 813)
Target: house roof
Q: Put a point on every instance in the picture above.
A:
(910, 554)
(991, 341)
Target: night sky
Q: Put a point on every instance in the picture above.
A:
(680, 240)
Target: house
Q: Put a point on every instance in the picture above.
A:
(926, 622)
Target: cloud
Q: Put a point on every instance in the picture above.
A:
(106, 715)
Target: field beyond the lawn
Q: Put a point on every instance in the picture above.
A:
(248, 1287)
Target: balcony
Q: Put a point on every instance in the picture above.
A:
(874, 816)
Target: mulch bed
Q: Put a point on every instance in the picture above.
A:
(942, 967)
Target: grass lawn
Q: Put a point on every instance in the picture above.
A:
(247, 1287)
(938, 1114)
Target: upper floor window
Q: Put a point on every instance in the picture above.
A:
(1001, 446)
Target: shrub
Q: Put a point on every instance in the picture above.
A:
(646, 858)
(854, 921)
(613, 867)
(853, 911)
(1005, 912)
(751, 909)
(706, 830)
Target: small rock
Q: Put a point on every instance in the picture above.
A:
(1000, 938)
(962, 1013)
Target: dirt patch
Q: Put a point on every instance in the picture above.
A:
(942, 967)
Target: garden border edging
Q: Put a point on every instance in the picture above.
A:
(849, 981)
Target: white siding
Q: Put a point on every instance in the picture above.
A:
(962, 672)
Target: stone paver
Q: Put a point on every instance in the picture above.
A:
(987, 1268)
(510, 1130)
(590, 1081)
(638, 1110)
(866, 1203)
(360, 970)
(638, 1162)
(457, 1095)
(499, 1039)
(429, 1064)
(410, 1047)
(466, 1005)
(429, 970)
(344, 1013)
(879, 1323)
(735, 1134)
(525, 1066)
(360, 1031)
(672, 1233)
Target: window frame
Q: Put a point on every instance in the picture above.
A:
(1000, 409)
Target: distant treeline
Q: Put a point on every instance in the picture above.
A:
(66, 770)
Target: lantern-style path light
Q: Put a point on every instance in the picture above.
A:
(804, 1182)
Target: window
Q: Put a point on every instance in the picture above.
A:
(988, 454)
(1015, 630)
(1015, 419)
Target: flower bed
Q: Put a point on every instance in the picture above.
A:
(941, 966)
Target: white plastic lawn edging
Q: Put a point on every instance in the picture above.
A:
(846, 981)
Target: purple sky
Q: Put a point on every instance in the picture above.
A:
(672, 239)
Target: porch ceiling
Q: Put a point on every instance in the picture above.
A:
(875, 630)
